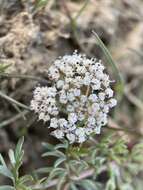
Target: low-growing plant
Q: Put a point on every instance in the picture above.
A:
(106, 164)
(74, 103)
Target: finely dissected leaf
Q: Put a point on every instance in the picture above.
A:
(127, 187)
(48, 146)
(11, 156)
(6, 172)
(73, 186)
(93, 156)
(88, 184)
(25, 178)
(56, 172)
(61, 181)
(83, 166)
(44, 170)
(2, 161)
(54, 153)
(18, 150)
(3, 67)
(41, 3)
(64, 146)
(120, 84)
(6, 187)
(110, 184)
(137, 152)
(59, 161)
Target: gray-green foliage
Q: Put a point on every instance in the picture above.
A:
(79, 166)
(16, 158)
(3, 67)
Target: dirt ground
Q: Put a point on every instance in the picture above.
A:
(32, 37)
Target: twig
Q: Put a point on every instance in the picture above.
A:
(66, 187)
(81, 10)
(21, 76)
(13, 101)
(132, 98)
(54, 182)
(12, 119)
(19, 111)
(112, 125)
(83, 175)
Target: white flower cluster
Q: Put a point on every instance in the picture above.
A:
(77, 102)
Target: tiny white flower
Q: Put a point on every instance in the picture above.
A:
(44, 117)
(91, 121)
(76, 104)
(96, 84)
(109, 92)
(81, 139)
(97, 130)
(79, 131)
(71, 137)
(70, 96)
(59, 134)
(101, 96)
(77, 92)
(70, 108)
(112, 102)
(81, 116)
(93, 97)
(63, 123)
(83, 99)
(60, 84)
(54, 123)
(72, 118)
(88, 131)
(106, 108)
(86, 80)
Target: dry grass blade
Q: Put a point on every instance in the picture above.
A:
(21, 76)
(120, 84)
(82, 9)
(13, 119)
(11, 100)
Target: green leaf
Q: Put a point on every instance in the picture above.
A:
(54, 153)
(44, 170)
(111, 185)
(7, 187)
(25, 178)
(41, 3)
(88, 184)
(11, 157)
(2, 160)
(59, 146)
(137, 152)
(59, 161)
(73, 186)
(6, 172)
(56, 172)
(18, 150)
(61, 181)
(47, 146)
(3, 67)
(120, 84)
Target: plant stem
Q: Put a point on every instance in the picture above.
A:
(13, 101)
(54, 182)
(29, 77)
(12, 119)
